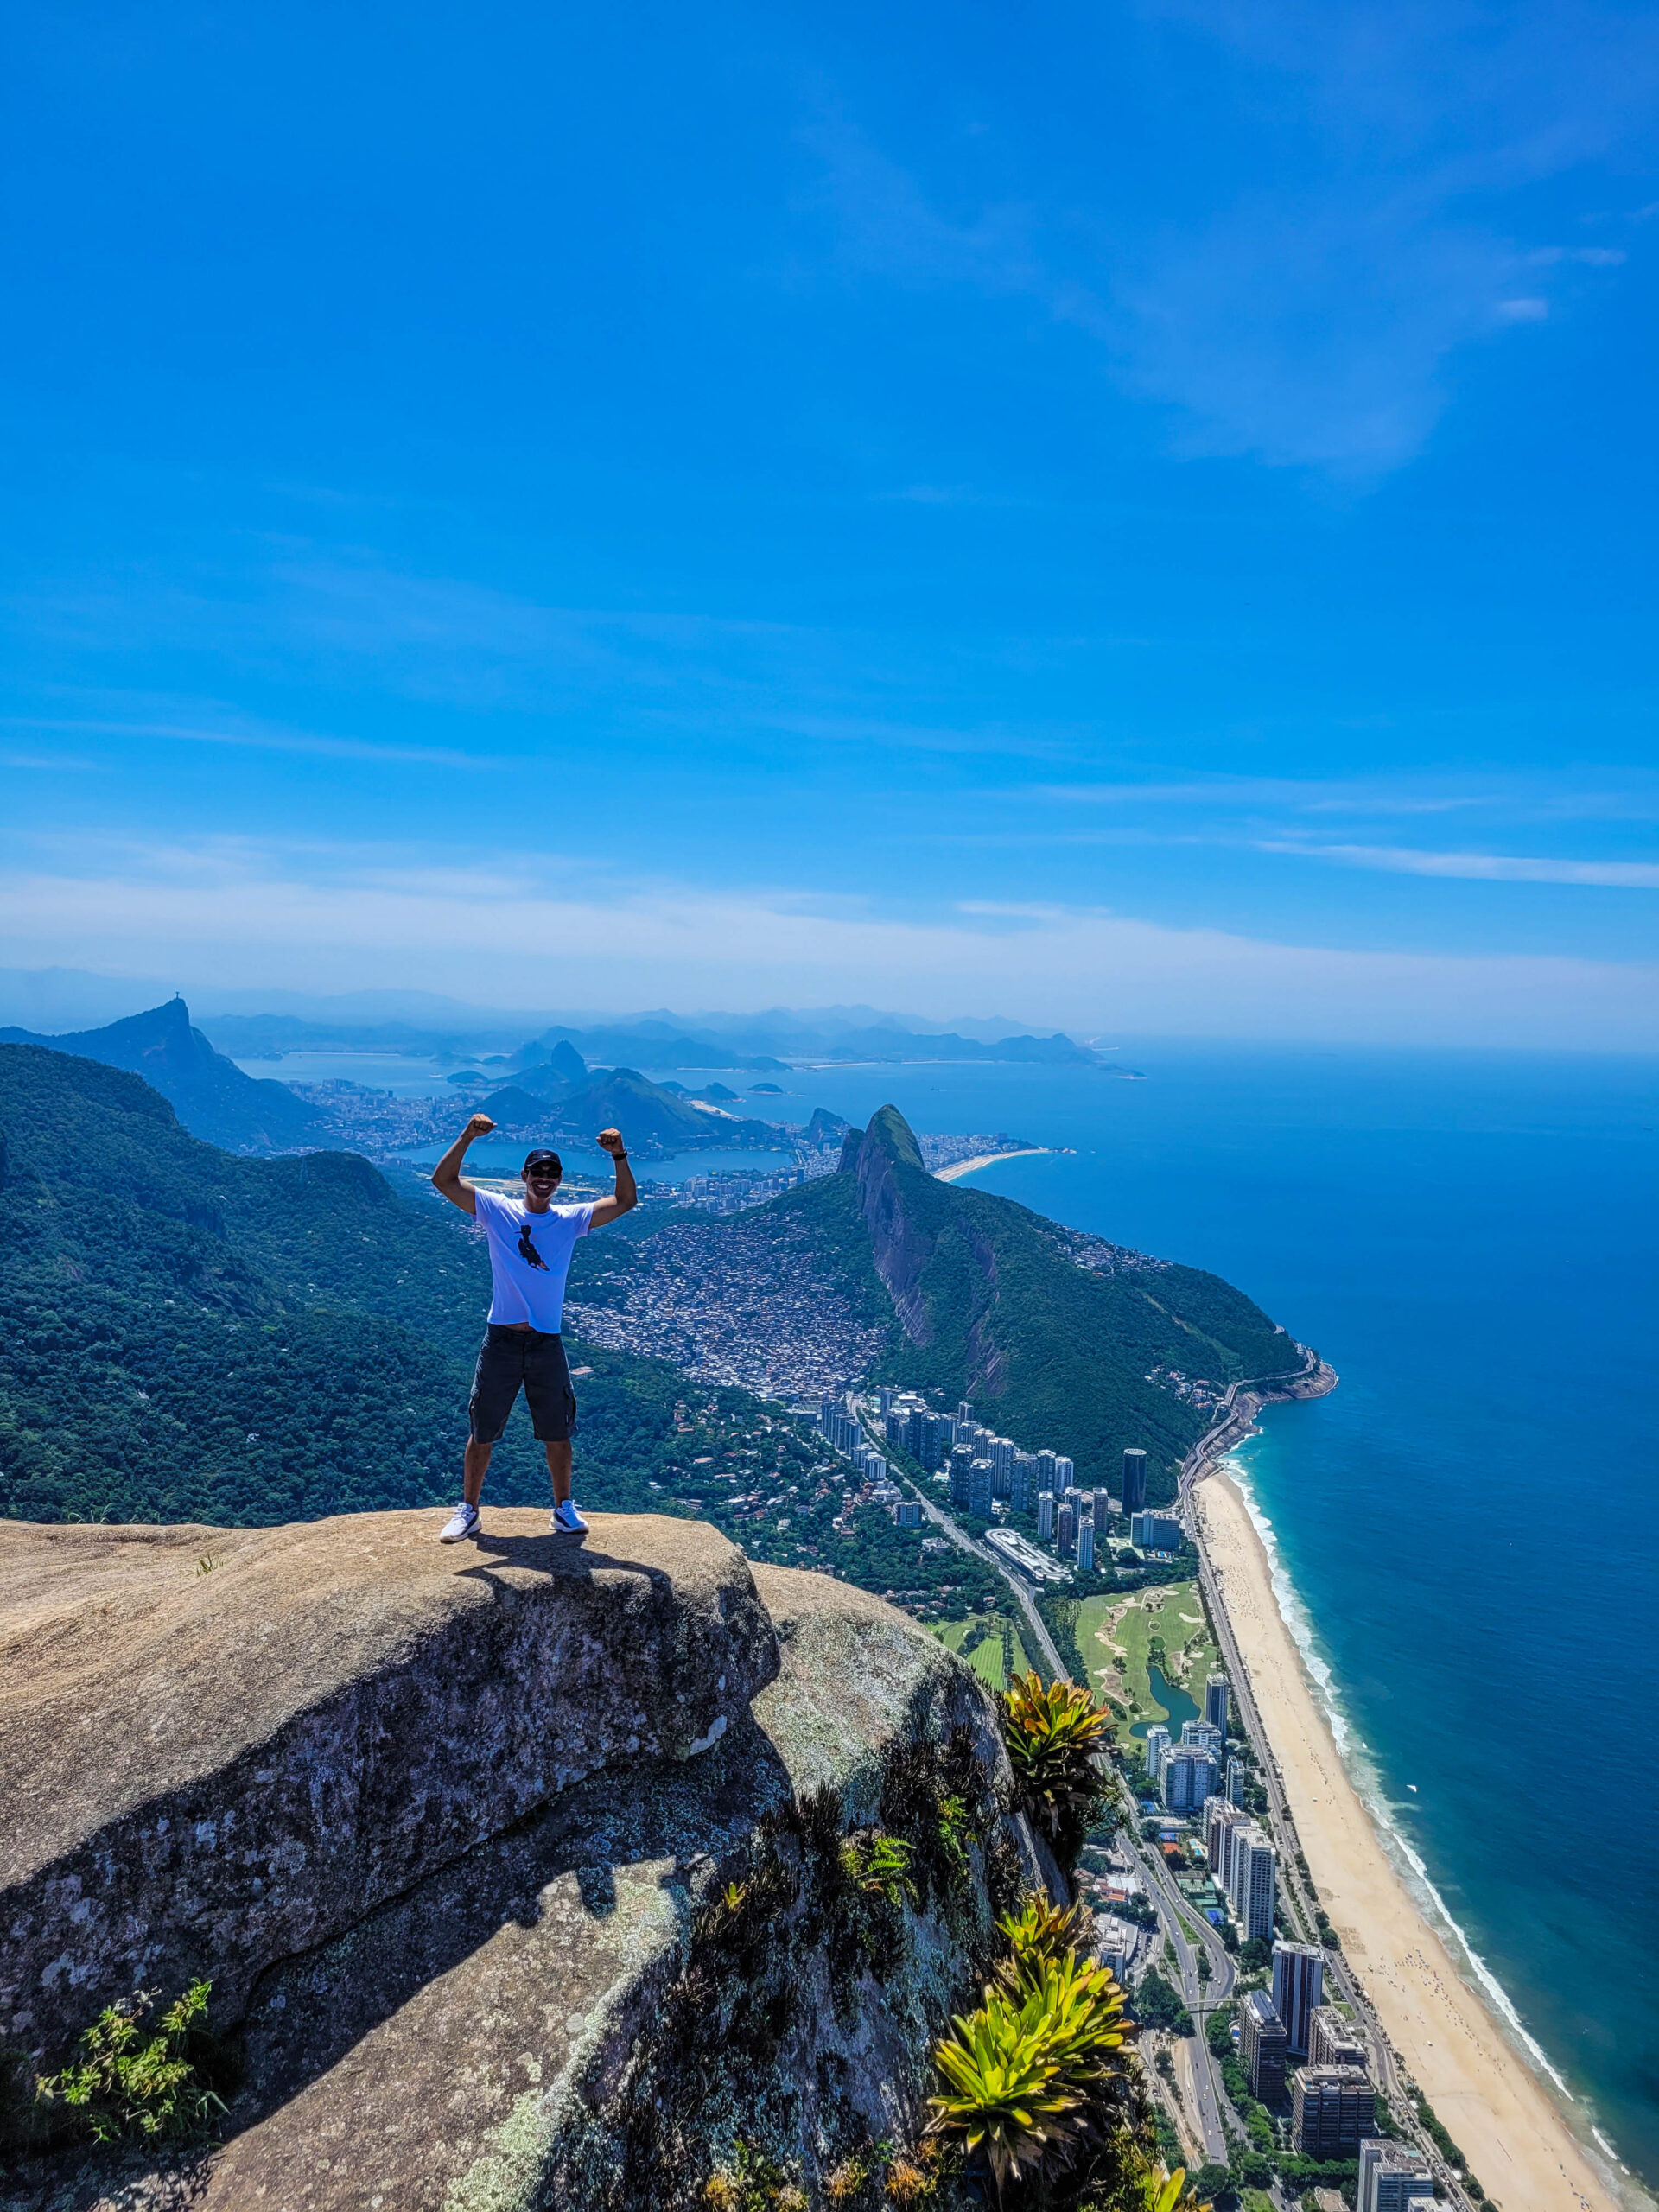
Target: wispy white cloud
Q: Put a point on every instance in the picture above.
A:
(270, 917)
(1297, 795)
(249, 736)
(1307, 315)
(1481, 868)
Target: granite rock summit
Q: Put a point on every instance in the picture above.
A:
(518, 1871)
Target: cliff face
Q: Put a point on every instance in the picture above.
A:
(520, 1875)
(901, 1239)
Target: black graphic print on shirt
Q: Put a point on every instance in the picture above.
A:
(527, 1251)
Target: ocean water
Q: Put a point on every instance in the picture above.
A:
(1471, 1522)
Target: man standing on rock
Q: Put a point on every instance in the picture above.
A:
(530, 1243)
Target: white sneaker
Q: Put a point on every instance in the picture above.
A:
(567, 1522)
(462, 1523)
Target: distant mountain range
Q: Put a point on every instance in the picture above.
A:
(210, 1093)
(662, 1045)
(766, 1047)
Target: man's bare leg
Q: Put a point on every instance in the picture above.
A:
(558, 1465)
(475, 1467)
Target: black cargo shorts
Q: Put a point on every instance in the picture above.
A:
(512, 1359)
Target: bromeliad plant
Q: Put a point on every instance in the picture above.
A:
(1027, 2075)
(1056, 1733)
(1040, 1931)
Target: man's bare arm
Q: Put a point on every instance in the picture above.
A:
(626, 1197)
(447, 1176)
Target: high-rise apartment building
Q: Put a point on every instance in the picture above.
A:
(1020, 1486)
(1392, 2175)
(1065, 1531)
(1157, 1745)
(1221, 1823)
(979, 1488)
(1085, 1547)
(1235, 1781)
(907, 1512)
(1187, 1779)
(1103, 1511)
(1261, 2047)
(1063, 1473)
(1331, 2108)
(962, 1457)
(1215, 1698)
(1254, 1886)
(1134, 1480)
(885, 1399)
(1154, 1532)
(1045, 1517)
(1331, 2040)
(1298, 1986)
(1045, 1475)
(1000, 1456)
(1204, 1735)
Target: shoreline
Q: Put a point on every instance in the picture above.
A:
(959, 1167)
(1443, 2030)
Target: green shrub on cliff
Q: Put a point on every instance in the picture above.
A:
(135, 2083)
(1056, 1734)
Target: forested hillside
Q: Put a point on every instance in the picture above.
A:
(191, 1336)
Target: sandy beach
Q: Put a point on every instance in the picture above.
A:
(984, 1159)
(1488, 2097)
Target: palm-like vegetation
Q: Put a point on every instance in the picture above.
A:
(1025, 2075)
(1040, 1931)
(1055, 1734)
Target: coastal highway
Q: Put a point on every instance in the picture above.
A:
(1196, 1995)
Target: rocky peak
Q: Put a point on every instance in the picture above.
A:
(898, 1200)
(517, 1870)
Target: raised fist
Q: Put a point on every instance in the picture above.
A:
(480, 1126)
(610, 1141)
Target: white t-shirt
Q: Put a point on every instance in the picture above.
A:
(529, 1257)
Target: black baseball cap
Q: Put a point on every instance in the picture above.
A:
(534, 1159)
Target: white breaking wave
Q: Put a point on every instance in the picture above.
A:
(1363, 1773)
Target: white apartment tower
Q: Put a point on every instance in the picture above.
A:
(1253, 1886)
(1157, 1745)
(1216, 1694)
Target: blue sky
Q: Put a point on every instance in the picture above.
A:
(1131, 517)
